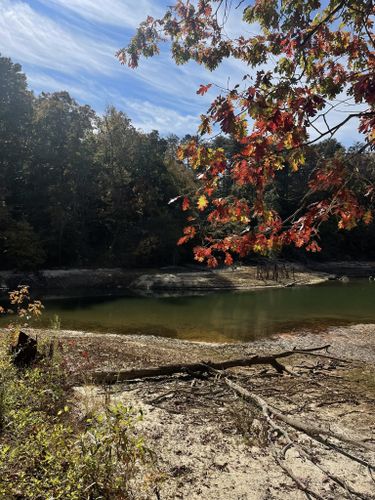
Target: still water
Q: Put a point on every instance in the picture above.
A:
(220, 317)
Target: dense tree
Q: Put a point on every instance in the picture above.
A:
(322, 56)
(15, 125)
(58, 177)
(15, 117)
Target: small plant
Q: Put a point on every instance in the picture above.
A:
(46, 453)
(22, 311)
(55, 322)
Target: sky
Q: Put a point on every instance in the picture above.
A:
(71, 45)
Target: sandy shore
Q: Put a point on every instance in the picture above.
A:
(211, 444)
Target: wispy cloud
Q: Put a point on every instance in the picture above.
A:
(149, 116)
(30, 37)
(71, 44)
(40, 82)
(121, 13)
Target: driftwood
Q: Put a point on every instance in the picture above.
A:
(112, 377)
(312, 430)
(303, 487)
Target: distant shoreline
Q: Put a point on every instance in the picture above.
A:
(169, 278)
(75, 282)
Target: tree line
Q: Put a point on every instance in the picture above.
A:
(82, 189)
(79, 189)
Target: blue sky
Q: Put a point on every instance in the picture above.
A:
(71, 44)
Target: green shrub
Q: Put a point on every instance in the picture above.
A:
(47, 453)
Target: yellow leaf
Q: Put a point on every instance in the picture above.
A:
(202, 202)
(367, 217)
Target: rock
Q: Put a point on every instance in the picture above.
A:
(344, 279)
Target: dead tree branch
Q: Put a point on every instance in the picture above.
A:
(112, 377)
(316, 432)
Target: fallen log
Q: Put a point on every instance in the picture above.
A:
(113, 377)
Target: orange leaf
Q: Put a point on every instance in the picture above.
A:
(228, 259)
(203, 89)
(182, 240)
(185, 204)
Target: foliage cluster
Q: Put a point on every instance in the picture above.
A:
(78, 189)
(45, 453)
(308, 71)
(290, 194)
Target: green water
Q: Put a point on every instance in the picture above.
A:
(220, 317)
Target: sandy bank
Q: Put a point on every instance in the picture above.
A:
(211, 444)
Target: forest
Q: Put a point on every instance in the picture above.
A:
(83, 189)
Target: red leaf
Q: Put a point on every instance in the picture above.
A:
(185, 204)
(228, 259)
(203, 89)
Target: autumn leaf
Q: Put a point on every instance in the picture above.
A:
(313, 247)
(189, 233)
(203, 89)
(228, 261)
(367, 217)
(185, 204)
(202, 202)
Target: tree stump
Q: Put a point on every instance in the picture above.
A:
(25, 350)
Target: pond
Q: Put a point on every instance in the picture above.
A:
(220, 317)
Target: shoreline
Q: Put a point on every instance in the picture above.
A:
(111, 351)
(209, 443)
(179, 279)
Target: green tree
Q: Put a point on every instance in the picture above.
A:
(58, 176)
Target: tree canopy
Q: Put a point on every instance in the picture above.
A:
(306, 60)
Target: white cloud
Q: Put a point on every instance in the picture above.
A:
(66, 57)
(149, 116)
(33, 38)
(84, 91)
(127, 13)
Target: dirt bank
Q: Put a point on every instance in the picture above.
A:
(212, 445)
(73, 282)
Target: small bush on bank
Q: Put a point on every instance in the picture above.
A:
(46, 452)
